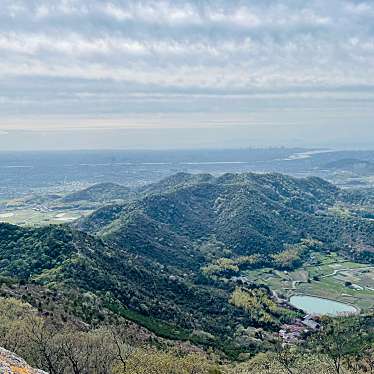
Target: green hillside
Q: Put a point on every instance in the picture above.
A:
(171, 258)
(69, 261)
(102, 192)
(242, 214)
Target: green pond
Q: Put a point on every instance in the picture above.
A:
(317, 305)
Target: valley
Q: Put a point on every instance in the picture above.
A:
(38, 216)
(209, 260)
(331, 277)
(186, 187)
(34, 193)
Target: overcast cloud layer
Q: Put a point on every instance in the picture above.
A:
(186, 63)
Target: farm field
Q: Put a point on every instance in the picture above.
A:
(31, 217)
(326, 276)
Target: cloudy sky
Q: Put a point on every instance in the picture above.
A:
(179, 73)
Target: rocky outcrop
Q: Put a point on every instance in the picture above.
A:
(10, 363)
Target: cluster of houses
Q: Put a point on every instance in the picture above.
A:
(295, 332)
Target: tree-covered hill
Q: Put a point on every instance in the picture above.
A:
(243, 214)
(98, 193)
(154, 259)
(343, 345)
(69, 261)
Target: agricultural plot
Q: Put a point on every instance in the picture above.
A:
(325, 276)
(31, 217)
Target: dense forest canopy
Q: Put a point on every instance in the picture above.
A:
(170, 257)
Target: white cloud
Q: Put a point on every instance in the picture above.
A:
(116, 12)
(169, 46)
(361, 8)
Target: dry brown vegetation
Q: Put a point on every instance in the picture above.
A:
(345, 347)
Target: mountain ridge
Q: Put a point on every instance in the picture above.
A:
(101, 192)
(158, 258)
(247, 212)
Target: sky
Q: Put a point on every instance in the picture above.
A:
(186, 74)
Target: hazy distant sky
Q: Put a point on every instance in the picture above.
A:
(197, 73)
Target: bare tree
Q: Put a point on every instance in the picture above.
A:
(286, 357)
(47, 354)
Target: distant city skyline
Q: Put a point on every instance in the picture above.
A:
(91, 74)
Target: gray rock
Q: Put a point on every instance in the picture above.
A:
(10, 363)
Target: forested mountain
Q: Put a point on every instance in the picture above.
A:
(129, 285)
(242, 214)
(102, 192)
(154, 259)
(342, 346)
